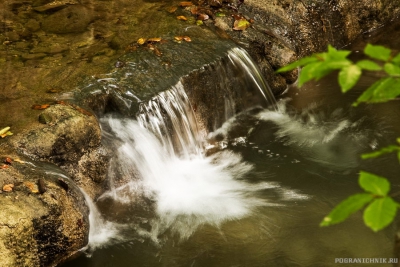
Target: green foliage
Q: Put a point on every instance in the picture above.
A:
(319, 65)
(380, 208)
(382, 151)
(347, 207)
(377, 52)
(380, 213)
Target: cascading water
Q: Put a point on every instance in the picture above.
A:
(169, 204)
(160, 157)
(164, 151)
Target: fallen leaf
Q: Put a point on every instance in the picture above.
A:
(187, 38)
(154, 40)
(131, 48)
(81, 110)
(178, 38)
(199, 22)
(241, 24)
(33, 187)
(181, 18)
(19, 161)
(4, 166)
(4, 130)
(8, 187)
(39, 107)
(183, 4)
(8, 161)
(194, 10)
(157, 52)
(219, 14)
(203, 17)
(141, 41)
(53, 90)
(172, 9)
(6, 134)
(61, 103)
(151, 47)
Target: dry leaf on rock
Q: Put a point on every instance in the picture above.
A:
(241, 24)
(8, 187)
(181, 18)
(39, 107)
(33, 187)
(184, 4)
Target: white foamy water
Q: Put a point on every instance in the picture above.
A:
(332, 139)
(101, 232)
(188, 192)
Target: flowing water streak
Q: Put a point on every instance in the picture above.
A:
(240, 58)
(170, 117)
(160, 157)
(101, 232)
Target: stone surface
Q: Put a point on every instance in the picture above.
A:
(72, 47)
(72, 19)
(39, 229)
(72, 140)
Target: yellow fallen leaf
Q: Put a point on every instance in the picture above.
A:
(8, 187)
(141, 41)
(154, 40)
(4, 130)
(5, 134)
(241, 24)
(19, 161)
(33, 187)
(181, 18)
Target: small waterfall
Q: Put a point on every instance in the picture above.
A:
(159, 157)
(170, 117)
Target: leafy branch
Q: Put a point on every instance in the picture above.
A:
(380, 208)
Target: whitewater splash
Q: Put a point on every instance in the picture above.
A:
(187, 192)
(331, 139)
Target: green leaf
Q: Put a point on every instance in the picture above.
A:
(396, 59)
(345, 208)
(382, 151)
(298, 63)
(377, 52)
(334, 54)
(398, 156)
(387, 91)
(367, 95)
(368, 65)
(380, 213)
(335, 64)
(348, 77)
(392, 69)
(382, 90)
(374, 184)
(310, 72)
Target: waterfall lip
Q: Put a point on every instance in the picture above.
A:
(239, 56)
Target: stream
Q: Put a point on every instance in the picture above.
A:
(251, 193)
(242, 180)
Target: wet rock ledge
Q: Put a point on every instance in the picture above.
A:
(55, 46)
